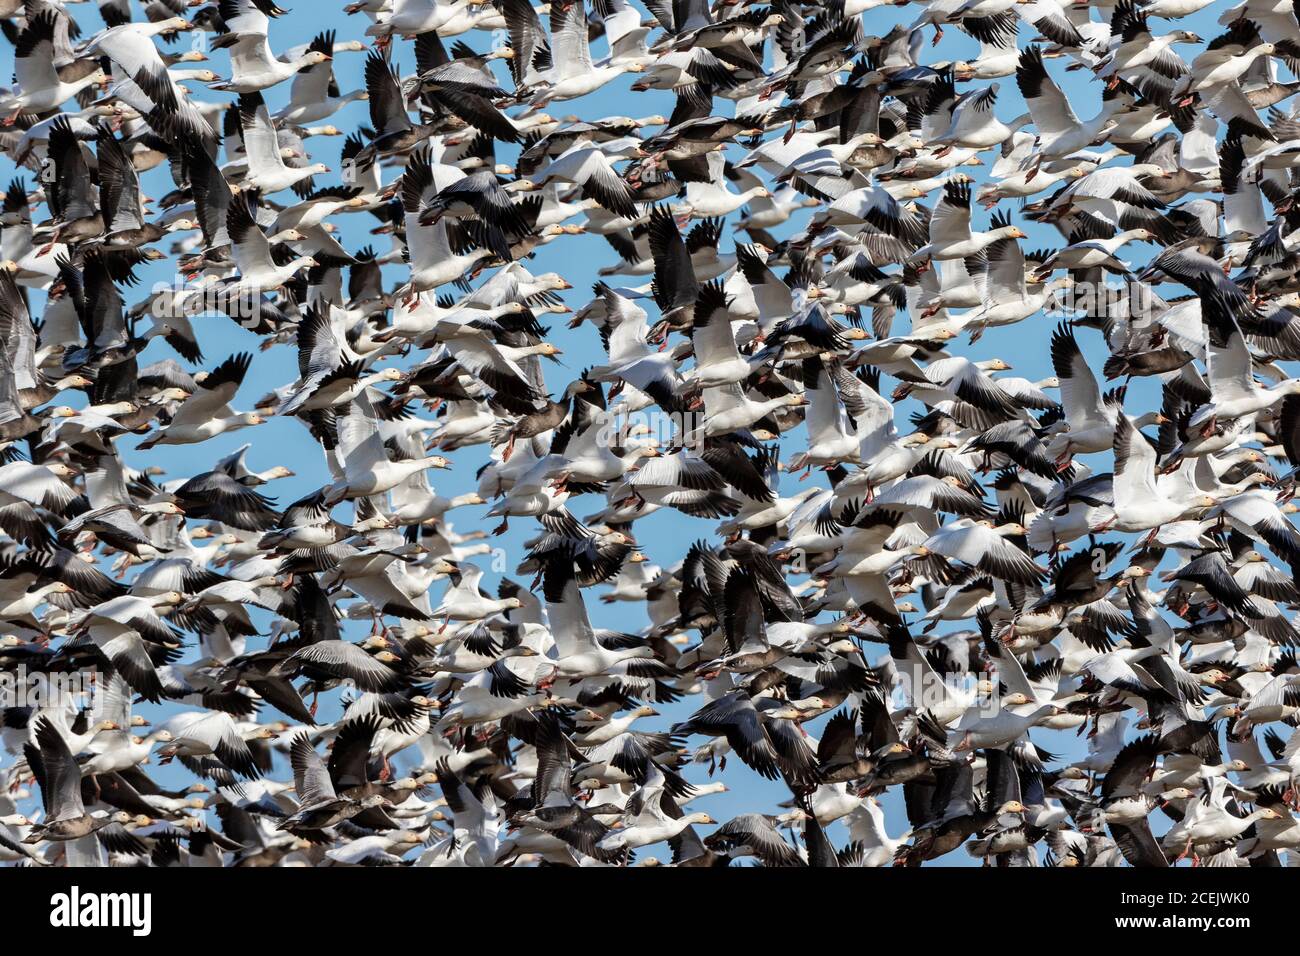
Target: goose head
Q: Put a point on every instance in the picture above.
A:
(313, 58)
(167, 599)
(377, 522)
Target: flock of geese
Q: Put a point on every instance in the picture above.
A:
(895, 579)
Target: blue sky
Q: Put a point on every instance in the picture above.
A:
(662, 536)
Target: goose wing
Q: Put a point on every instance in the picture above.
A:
(57, 773)
(311, 781)
(1048, 106)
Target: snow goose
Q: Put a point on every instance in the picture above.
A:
(974, 124)
(476, 824)
(252, 253)
(579, 654)
(830, 439)
(728, 409)
(958, 379)
(1091, 253)
(735, 717)
(1091, 419)
(588, 168)
(433, 261)
(573, 74)
(1139, 505)
(23, 592)
(253, 66)
(196, 736)
(267, 171)
(997, 57)
(367, 468)
(207, 412)
(718, 362)
(476, 652)
(140, 78)
(1211, 825)
(1173, 9)
(1221, 65)
(551, 807)
(1125, 806)
(465, 600)
(118, 749)
(125, 628)
(752, 834)
(1132, 46)
(1060, 131)
(410, 18)
(39, 87)
(645, 821)
(1233, 392)
(73, 201)
(24, 486)
(306, 524)
(491, 695)
(1279, 699)
(981, 545)
(711, 198)
(868, 831)
(590, 455)
(329, 368)
(1257, 515)
(954, 815)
